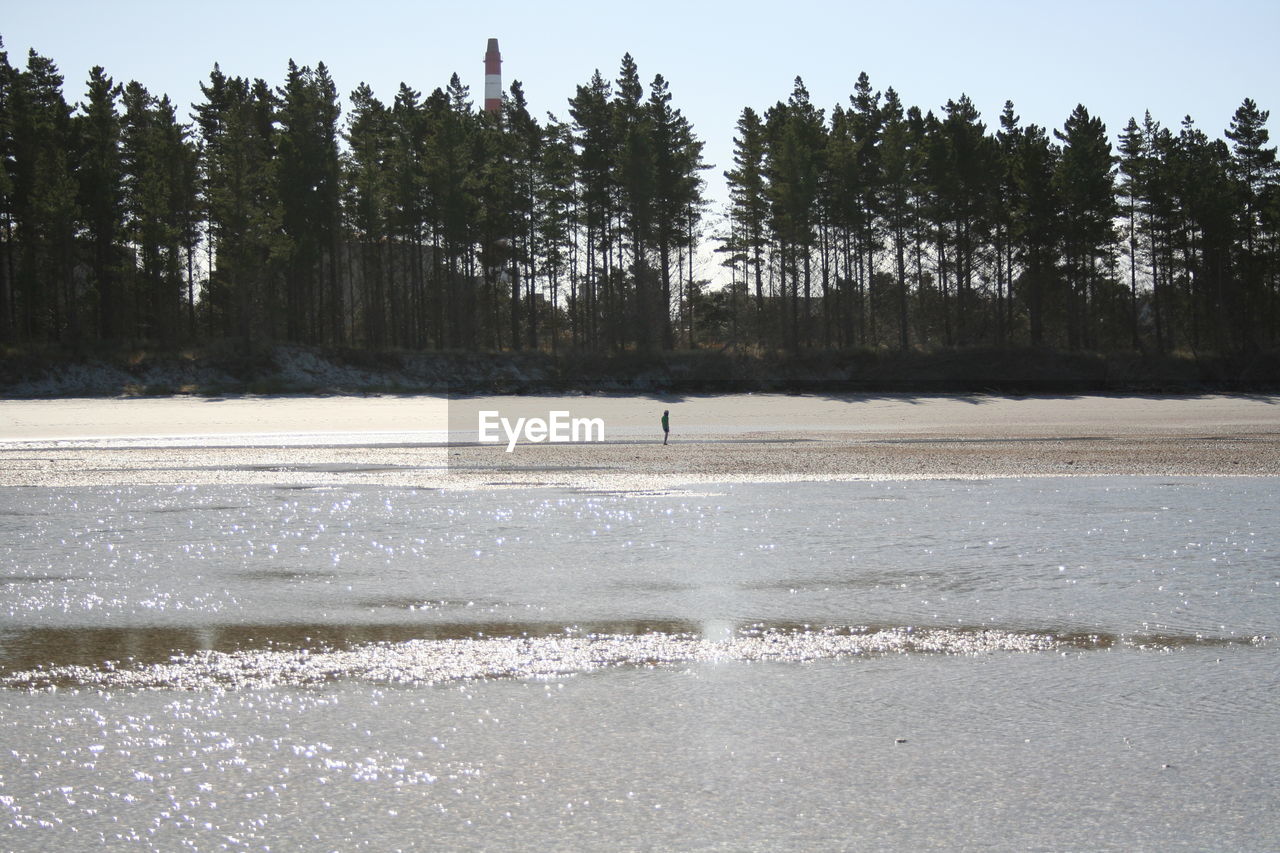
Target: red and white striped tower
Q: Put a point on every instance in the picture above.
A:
(492, 78)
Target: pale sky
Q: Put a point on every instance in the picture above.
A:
(1117, 57)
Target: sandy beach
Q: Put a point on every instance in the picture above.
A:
(255, 619)
(431, 442)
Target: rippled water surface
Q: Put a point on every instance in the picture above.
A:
(1053, 664)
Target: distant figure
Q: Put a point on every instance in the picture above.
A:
(666, 425)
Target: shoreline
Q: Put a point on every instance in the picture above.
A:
(224, 367)
(398, 441)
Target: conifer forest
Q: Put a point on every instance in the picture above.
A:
(289, 213)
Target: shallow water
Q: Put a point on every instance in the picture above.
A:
(1005, 664)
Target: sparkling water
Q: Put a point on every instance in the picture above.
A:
(1051, 664)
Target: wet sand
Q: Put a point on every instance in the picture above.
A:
(737, 438)
(249, 665)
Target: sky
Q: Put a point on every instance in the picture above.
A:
(1117, 57)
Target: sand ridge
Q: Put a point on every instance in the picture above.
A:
(391, 440)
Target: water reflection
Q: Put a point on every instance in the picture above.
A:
(257, 656)
(806, 666)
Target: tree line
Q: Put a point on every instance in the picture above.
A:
(886, 226)
(420, 223)
(424, 223)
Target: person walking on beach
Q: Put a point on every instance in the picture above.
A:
(666, 425)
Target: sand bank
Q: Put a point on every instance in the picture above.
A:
(430, 442)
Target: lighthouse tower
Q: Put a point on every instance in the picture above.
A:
(492, 78)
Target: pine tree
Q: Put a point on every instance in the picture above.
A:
(556, 221)
(797, 139)
(594, 139)
(525, 141)
(749, 204)
(634, 158)
(1253, 163)
(246, 244)
(1003, 205)
(677, 190)
(44, 205)
(1254, 171)
(415, 311)
(451, 182)
(937, 194)
(1159, 217)
(1036, 227)
(308, 180)
(841, 231)
(1205, 200)
(1134, 170)
(366, 182)
(496, 195)
(99, 173)
(1085, 183)
(965, 194)
(864, 189)
(897, 175)
(155, 154)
